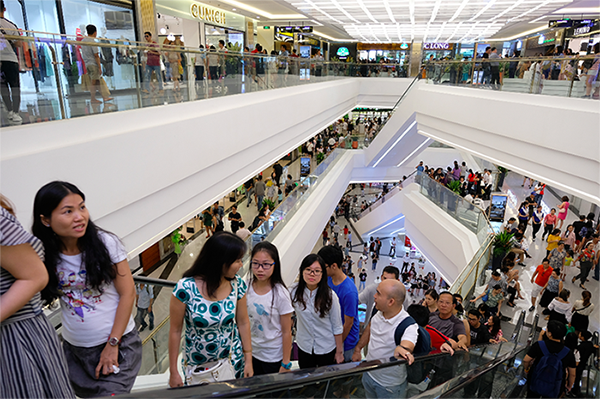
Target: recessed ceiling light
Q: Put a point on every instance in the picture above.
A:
(233, 9)
(257, 17)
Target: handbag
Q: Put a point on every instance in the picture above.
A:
(220, 370)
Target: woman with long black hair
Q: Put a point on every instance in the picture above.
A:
(319, 328)
(210, 300)
(88, 271)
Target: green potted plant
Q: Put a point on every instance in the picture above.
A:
(454, 185)
(267, 201)
(320, 157)
(501, 245)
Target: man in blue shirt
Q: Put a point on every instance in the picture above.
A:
(347, 293)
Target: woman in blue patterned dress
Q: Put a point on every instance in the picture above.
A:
(211, 299)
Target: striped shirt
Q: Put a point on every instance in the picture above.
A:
(12, 233)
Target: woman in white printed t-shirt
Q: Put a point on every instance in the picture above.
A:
(270, 311)
(89, 273)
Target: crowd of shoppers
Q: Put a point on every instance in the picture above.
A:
(490, 68)
(240, 327)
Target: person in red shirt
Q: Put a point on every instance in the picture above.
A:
(541, 276)
(152, 63)
(549, 222)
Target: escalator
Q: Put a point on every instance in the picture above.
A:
(442, 371)
(344, 380)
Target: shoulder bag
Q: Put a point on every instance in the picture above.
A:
(220, 370)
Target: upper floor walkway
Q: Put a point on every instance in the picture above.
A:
(146, 171)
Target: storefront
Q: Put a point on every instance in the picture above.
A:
(438, 50)
(114, 20)
(582, 36)
(388, 52)
(200, 23)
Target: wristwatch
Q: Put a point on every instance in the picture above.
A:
(114, 341)
(286, 366)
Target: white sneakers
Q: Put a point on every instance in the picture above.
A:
(14, 118)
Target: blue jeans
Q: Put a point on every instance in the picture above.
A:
(361, 285)
(141, 315)
(156, 69)
(375, 390)
(538, 198)
(259, 201)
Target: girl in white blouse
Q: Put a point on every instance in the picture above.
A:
(319, 326)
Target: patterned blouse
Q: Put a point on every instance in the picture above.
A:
(210, 328)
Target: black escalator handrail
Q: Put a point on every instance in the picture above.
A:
(252, 386)
(479, 371)
(533, 332)
(518, 327)
(154, 281)
(416, 79)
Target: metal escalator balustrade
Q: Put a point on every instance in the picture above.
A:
(128, 84)
(564, 76)
(340, 380)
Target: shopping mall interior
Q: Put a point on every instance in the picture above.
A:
(424, 125)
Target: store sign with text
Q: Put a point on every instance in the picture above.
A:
(208, 14)
(194, 10)
(437, 46)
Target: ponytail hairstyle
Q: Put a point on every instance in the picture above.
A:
(564, 294)
(587, 297)
(100, 269)
(323, 298)
(6, 204)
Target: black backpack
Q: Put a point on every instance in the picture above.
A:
(417, 372)
(547, 376)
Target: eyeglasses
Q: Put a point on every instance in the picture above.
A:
(313, 272)
(265, 266)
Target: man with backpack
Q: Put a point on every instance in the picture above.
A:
(391, 324)
(551, 360)
(420, 373)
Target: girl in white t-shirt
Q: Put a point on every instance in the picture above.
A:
(270, 311)
(89, 273)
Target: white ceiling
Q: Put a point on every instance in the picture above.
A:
(407, 20)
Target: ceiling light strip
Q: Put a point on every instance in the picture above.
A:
(343, 10)
(531, 10)
(385, 225)
(459, 10)
(263, 13)
(440, 33)
(484, 9)
(366, 11)
(512, 7)
(436, 8)
(386, 4)
(395, 142)
(414, 152)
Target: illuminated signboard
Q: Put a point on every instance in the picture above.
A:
(343, 52)
(437, 46)
(560, 23)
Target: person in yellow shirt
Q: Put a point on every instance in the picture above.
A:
(553, 239)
